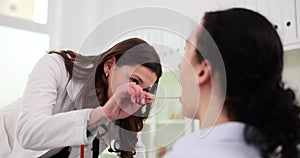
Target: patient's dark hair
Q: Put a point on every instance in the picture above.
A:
(89, 71)
(256, 95)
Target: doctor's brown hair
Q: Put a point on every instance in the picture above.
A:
(132, 51)
(253, 57)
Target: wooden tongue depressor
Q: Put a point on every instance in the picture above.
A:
(162, 97)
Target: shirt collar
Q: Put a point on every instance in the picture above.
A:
(229, 130)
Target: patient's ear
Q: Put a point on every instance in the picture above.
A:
(204, 72)
(109, 64)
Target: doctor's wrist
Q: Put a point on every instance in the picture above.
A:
(98, 117)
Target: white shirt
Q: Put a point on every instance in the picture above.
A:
(43, 118)
(221, 141)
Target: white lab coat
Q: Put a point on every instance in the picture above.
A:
(221, 141)
(43, 118)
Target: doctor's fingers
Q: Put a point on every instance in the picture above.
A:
(137, 94)
(141, 96)
(134, 93)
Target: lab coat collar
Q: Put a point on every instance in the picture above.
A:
(73, 89)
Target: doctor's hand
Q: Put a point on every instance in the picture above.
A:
(126, 100)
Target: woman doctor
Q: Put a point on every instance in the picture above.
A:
(70, 99)
(259, 117)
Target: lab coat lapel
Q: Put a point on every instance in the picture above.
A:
(73, 89)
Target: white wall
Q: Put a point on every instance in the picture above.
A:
(72, 20)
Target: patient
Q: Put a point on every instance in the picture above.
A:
(258, 116)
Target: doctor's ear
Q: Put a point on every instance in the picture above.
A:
(109, 64)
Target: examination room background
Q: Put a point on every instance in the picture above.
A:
(28, 29)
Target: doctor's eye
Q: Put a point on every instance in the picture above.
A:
(146, 90)
(134, 80)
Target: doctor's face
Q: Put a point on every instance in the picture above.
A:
(141, 75)
(188, 79)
